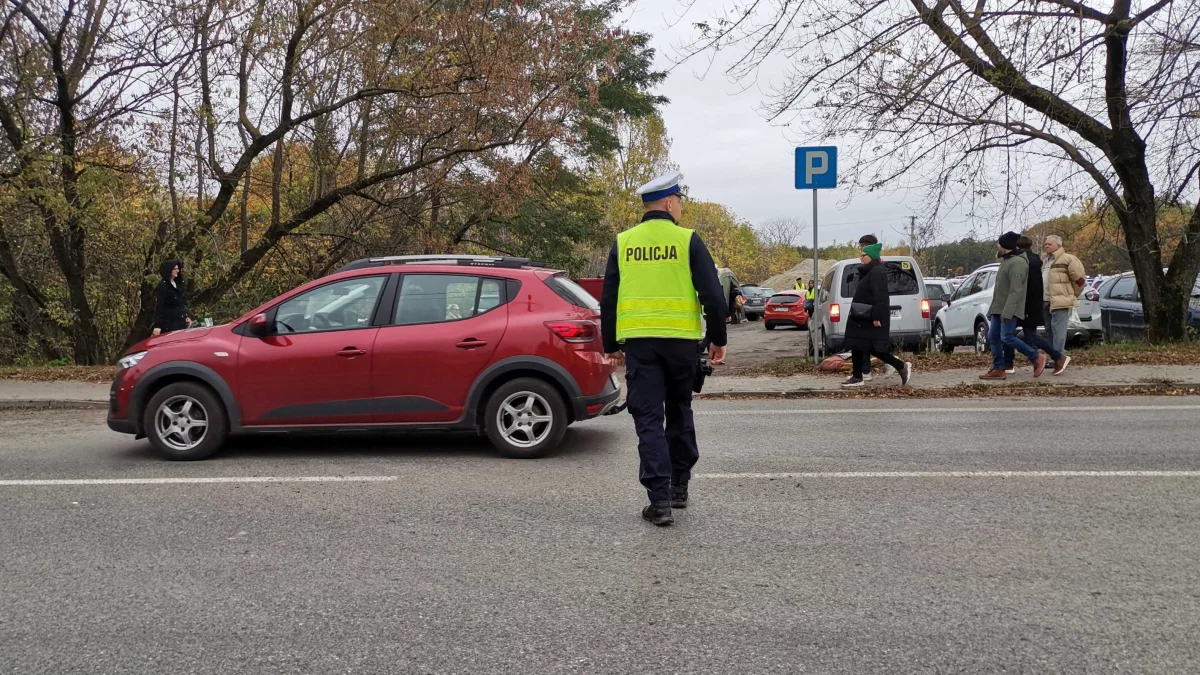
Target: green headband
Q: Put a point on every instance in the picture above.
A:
(873, 250)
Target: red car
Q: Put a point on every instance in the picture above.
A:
(473, 343)
(786, 308)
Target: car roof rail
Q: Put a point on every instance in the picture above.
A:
(508, 262)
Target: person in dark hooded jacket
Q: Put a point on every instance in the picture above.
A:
(869, 335)
(171, 311)
(1034, 314)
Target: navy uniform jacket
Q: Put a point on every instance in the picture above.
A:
(704, 279)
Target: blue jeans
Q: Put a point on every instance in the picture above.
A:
(1002, 334)
(1034, 340)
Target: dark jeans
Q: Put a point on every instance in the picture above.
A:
(861, 359)
(1002, 334)
(659, 374)
(1034, 340)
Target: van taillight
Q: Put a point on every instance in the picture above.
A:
(573, 331)
(924, 308)
(835, 313)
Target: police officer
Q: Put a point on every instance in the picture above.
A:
(810, 297)
(655, 272)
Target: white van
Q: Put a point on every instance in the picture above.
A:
(910, 307)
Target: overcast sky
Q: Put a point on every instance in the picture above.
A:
(730, 154)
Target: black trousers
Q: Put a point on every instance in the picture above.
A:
(860, 358)
(659, 374)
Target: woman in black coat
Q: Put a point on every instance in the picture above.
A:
(870, 335)
(171, 311)
(1034, 313)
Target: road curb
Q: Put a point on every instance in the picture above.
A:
(971, 391)
(61, 404)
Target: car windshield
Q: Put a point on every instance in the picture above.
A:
(902, 278)
(784, 299)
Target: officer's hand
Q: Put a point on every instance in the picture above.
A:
(716, 355)
(615, 358)
(877, 324)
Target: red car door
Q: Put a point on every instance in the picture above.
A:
(315, 366)
(444, 331)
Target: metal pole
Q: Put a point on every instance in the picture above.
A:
(816, 277)
(816, 267)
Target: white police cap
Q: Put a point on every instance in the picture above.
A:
(661, 186)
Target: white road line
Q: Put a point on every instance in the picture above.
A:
(198, 479)
(958, 474)
(965, 409)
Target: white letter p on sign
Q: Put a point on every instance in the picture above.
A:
(816, 162)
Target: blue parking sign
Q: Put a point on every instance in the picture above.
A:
(816, 168)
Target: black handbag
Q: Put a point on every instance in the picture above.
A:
(861, 311)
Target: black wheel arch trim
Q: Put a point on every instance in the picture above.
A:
(140, 395)
(538, 364)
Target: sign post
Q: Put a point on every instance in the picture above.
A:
(816, 169)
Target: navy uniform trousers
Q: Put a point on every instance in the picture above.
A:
(659, 374)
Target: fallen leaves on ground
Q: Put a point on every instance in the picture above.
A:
(1117, 354)
(1023, 389)
(57, 373)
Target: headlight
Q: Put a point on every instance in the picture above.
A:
(131, 360)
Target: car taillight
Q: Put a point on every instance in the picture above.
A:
(1092, 296)
(924, 308)
(573, 331)
(835, 313)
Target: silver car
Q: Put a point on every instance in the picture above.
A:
(909, 307)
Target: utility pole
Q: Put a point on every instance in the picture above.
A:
(912, 236)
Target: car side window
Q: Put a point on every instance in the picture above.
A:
(933, 291)
(341, 305)
(987, 280)
(826, 284)
(1124, 289)
(438, 298)
(967, 287)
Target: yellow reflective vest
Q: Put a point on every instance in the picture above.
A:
(656, 297)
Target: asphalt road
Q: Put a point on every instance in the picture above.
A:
(823, 537)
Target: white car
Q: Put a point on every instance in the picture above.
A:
(964, 320)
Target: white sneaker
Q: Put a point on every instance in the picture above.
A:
(1010, 371)
(906, 374)
(888, 370)
(868, 377)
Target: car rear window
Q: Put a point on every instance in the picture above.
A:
(934, 291)
(784, 299)
(572, 292)
(900, 281)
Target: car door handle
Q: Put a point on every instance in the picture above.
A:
(352, 351)
(471, 343)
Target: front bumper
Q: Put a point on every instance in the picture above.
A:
(121, 425)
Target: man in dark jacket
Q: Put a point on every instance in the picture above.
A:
(1034, 314)
(868, 331)
(170, 313)
(1007, 308)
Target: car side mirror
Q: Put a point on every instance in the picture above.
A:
(258, 325)
(946, 298)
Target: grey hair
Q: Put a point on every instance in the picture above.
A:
(1055, 238)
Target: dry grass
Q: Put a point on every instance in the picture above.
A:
(1117, 354)
(57, 373)
(976, 391)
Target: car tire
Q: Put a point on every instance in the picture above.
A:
(981, 338)
(185, 421)
(752, 317)
(519, 437)
(939, 340)
(769, 325)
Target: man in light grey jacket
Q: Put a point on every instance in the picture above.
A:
(1007, 308)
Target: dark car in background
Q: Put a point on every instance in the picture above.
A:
(935, 290)
(1121, 312)
(756, 300)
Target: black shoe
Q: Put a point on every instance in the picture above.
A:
(658, 513)
(679, 496)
